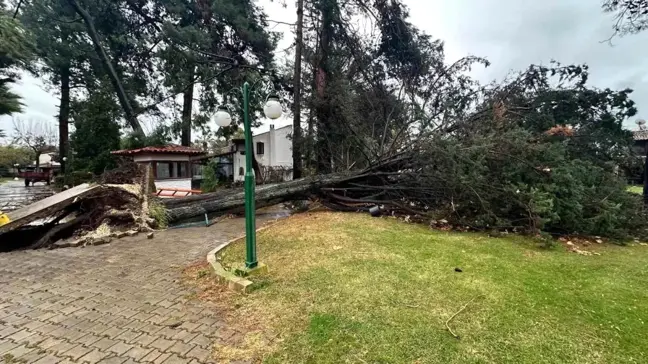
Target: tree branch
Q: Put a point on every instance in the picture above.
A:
(114, 78)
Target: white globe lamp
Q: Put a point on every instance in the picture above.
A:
(222, 117)
(272, 108)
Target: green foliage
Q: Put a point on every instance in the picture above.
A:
(10, 155)
(9, 101)
(518, 179)
(541, 153)
(16, 46)
(159, 214)
(96, 133)
(73, 178)
(16, 51)
(160, 136)
(210, 179)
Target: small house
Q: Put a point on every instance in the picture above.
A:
(171, 164)
(272, 150)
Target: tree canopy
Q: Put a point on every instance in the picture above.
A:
(16, 52)
(631, 16)
(359, 95)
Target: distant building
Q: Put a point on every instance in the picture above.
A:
(640, 147)
(172, 164)
(640, 141)
(272, 150)
(46, 160)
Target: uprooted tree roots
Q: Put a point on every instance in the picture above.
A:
(112, 211)
(117, 207)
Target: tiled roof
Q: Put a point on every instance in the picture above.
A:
(171, 148)
(640, 134)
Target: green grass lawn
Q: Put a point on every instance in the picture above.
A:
(635, 189)
(348, 288)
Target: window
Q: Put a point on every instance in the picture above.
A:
(163, 170)
(182, 170)
(197, 170)
(167, 170)
(241, 172)
(260, 148)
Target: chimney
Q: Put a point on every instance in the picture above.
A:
(271, 146)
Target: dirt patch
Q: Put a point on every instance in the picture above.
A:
(249, 338)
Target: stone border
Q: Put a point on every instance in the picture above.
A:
(233, 281)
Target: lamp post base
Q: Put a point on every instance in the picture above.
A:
(260, 268)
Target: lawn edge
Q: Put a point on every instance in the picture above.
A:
(233, 281)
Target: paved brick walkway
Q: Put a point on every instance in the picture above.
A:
(14, 194)
(116, 303)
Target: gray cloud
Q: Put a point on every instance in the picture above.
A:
(513, 34)
(39, 104)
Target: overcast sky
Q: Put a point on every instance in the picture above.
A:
(510, 33)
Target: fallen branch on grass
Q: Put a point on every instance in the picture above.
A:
(447, 323)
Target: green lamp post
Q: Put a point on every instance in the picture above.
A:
(272, 110)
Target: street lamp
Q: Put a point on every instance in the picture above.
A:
(272, 110)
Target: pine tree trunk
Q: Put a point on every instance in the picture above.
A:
(322, 105)
(187, 106)
(131, 118)
(64, 116)
(297, 130)
(311, 134)
(233, 200)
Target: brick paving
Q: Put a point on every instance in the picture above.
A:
(14, 194)
(116, 303)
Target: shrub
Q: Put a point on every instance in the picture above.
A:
(73, 178)
(159, 214)
(210, 178)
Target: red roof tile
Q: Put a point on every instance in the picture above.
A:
(171, 148)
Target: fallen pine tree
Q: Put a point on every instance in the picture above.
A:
(511, 179)
(233, 200)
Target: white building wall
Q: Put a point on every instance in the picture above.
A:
(282, 147)
(265, 157)
(278, 151)
(170, 157)
(174, 183)
(140, 158)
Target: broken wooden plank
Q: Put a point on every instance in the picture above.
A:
(46, 207)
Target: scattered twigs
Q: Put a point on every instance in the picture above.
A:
(447, 323)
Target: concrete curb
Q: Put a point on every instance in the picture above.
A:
(233, 281)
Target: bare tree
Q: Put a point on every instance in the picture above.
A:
(37, 135)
